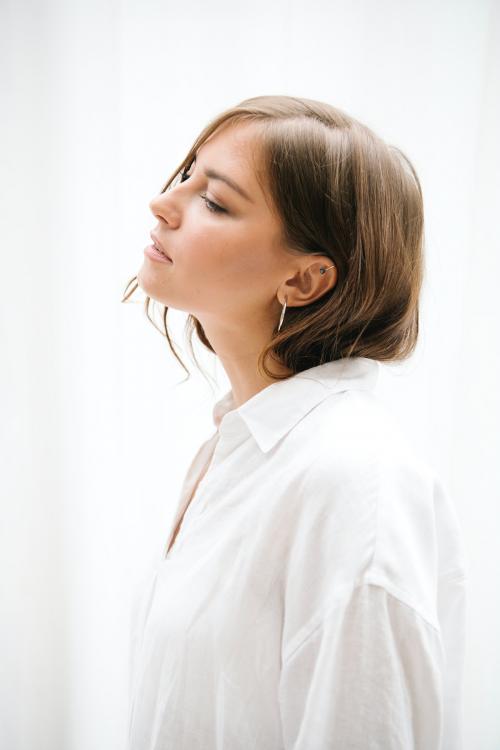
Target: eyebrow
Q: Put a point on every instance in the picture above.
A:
(214, 175)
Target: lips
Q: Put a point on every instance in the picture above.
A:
(159, 246)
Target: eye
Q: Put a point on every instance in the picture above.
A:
(213, 207)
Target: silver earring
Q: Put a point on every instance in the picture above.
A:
(282, 313)
(321, 270)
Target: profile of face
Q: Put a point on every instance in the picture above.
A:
(225, 242)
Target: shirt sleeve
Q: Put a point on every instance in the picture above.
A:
(367, 676)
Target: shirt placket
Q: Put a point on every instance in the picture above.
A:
(232, 432)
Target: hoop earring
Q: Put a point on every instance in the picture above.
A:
(321, 270)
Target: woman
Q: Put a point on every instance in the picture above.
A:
(312, 591)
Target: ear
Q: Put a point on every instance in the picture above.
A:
(308, 283)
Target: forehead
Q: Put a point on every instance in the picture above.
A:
(234, 150)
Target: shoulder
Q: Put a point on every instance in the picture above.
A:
(355, 442)
(367, 509)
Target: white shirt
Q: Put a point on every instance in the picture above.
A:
(314, 598)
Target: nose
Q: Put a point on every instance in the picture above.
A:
(164, 206)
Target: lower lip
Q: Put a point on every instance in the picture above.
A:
(154, 254)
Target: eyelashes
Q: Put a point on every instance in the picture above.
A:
(211, 206)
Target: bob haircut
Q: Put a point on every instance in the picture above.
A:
(340, 190)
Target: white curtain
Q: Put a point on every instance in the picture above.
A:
(100, 101)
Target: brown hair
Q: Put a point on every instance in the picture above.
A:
(340, 190)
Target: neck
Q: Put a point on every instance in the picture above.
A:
(238, 349)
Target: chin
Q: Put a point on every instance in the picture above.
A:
(149, 286)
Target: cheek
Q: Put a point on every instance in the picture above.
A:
(233, 254)
(202, 246)
(217, 251)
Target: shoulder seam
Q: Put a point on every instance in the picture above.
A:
(372, 581)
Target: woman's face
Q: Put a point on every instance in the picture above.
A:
(227, 262)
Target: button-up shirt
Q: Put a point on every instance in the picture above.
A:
(314, 597)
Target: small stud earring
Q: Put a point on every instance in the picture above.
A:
(323, 269)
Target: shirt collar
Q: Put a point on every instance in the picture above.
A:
(276, 409)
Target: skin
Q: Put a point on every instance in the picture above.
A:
(230, 270)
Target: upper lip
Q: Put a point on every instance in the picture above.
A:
(159, 245)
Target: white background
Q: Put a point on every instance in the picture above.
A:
(100, 101)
